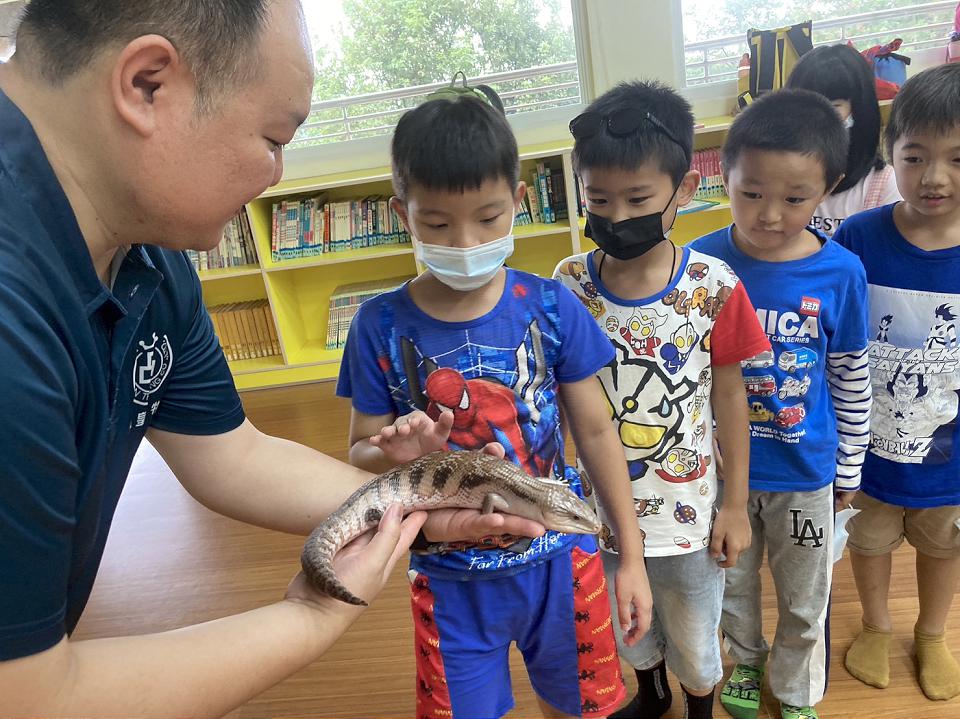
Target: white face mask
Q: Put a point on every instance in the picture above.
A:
(465, 269)
(848, 123)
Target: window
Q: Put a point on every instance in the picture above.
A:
(377, 59)
(9, 12)
(714, 31)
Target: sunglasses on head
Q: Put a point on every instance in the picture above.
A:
(619, 123)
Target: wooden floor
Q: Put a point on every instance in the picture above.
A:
(170, 562)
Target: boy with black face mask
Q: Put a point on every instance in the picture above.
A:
(680, 323)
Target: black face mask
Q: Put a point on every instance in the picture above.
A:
(627, 239)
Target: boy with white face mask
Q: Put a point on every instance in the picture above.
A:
(473, 355)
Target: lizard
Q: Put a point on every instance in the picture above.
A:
(465, 478)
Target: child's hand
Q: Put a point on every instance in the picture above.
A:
(634, 601)
(731, 536)
(843, 498)
(413, 435)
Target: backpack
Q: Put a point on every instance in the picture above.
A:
(773, 54)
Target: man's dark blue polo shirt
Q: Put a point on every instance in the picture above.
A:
(84, 371)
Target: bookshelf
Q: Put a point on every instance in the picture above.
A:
(298, 291)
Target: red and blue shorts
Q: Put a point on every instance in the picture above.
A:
(557, 612)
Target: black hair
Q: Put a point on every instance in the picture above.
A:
(216, 38)
(648, 142)
(838, 72)
(453, 145)
(928, 102)
(790, 121)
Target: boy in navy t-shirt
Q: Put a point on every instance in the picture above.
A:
(911, 476)
(809, 398)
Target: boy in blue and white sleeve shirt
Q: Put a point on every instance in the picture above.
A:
(809, 398)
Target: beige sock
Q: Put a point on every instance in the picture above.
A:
(937, 670)
(868, 658)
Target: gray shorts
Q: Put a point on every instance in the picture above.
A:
(687, 594)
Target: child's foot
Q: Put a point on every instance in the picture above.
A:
(741, 694)
(868, 658)
(937, 670)
(653, 697)
(788, 711)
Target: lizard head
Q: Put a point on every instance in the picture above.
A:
(566, 512)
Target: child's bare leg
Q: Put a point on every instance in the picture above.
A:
(872, 575)
(868, 658)
(550, 712)
(938, 672)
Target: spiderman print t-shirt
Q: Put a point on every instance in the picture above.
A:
(498, 374)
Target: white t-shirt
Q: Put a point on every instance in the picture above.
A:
(878, 187)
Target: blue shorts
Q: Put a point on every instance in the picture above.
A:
(463, 631)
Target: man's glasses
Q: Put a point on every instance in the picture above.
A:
(619, 123)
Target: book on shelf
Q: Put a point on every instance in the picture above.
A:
(707, 163)
(710, 192)
(546, 194)
(246, 330)
(236, 249)
(313, 226)
(346, 300)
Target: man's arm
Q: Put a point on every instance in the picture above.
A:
(208, 669)
(255, 478)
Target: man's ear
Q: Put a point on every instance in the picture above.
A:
(144, 72)
(400, 207)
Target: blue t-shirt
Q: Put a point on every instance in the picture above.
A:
(914, 363)
(84, 372)
(499, 375)
(810, 309)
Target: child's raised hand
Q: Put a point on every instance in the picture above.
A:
(413, 435)
(731, 536)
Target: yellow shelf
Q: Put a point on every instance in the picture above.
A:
(261, 364)
(538, 229)
(334, 258)
(299, 290)
(228, 273)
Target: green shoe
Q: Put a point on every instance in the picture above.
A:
(741, 694)
(791, 712)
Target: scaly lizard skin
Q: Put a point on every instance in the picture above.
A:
(442, 479)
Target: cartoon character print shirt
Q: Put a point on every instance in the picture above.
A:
(808, 396)
(658, 389)
(499, 375)
(914, 363)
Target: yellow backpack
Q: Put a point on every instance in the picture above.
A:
(773, 54)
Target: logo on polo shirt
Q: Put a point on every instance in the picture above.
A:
(150, 368)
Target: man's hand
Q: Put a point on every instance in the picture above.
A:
(454, 525)
(634, 601)
(731, 536)
(364, 565)
(843, 498)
